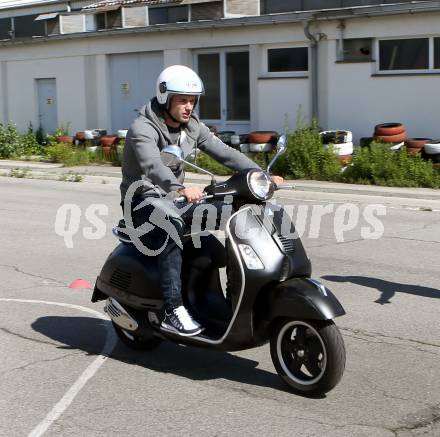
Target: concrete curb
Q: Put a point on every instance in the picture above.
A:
(98, 174)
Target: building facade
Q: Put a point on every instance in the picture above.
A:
(352, 65)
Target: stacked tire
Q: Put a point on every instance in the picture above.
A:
(432, 151)
(79, 139)
(342, 141)
(415, 146)
(262, 141)
(391, 133)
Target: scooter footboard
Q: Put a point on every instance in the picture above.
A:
(303, 298)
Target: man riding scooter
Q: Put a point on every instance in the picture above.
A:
(168, 119)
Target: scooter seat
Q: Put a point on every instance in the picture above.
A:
(211, 254)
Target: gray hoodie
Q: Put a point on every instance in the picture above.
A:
(148, 135)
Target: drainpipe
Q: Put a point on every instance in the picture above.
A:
(314, 67)
(314, 40)
(341, 27)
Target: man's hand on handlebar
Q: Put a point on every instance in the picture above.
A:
(192, 194)
(277, 180)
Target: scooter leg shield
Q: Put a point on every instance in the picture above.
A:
(98, 295)
(303, 298)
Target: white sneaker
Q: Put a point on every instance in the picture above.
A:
(181, 322)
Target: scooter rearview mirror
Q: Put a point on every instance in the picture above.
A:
(282, 144)
(281, 148)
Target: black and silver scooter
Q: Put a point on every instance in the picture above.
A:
(269, 295)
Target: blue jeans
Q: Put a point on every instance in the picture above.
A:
(180, 217)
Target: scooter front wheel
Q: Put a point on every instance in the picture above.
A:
(309, 356)
(134, 341)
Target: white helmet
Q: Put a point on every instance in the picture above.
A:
(178, 79)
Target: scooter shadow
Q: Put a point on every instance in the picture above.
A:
(387, 289)
(199, 364)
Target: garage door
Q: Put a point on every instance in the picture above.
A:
(133, 80)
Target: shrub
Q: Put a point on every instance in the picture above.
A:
(9, 140)
(59, 152)
(12, 144)
(379, 165)
(306, 158)
(28, 144)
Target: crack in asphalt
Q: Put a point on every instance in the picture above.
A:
(421, 419)
(363, 425)
(33, 275)
(384, 393)
(33, 287)
(409, 347)
(410, 239)
(377, 335)
(336, 243)
(431, 414)
(24, 337)
(425, 226)
(32, 363)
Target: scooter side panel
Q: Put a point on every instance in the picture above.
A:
(129, 275)
(303, 299)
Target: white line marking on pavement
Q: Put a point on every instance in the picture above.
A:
(70, 395)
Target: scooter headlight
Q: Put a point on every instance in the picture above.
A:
(260, 185)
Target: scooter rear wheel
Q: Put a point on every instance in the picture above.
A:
(135, 342)
(309, 356)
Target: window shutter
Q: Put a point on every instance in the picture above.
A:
(135, 17)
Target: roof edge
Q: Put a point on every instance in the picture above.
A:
(282, 18)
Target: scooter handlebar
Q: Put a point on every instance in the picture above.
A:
(285, 187)
(183, 198)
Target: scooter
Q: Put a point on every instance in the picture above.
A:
(269, 296)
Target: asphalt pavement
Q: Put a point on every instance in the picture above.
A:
(64, 372)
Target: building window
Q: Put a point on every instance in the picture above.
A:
(357, 50)
(5, 28)
(404, 54)
(436, 52)
(172, 14)
(101, 21)
(53, 26)
(209, 71)
(277, 6)
(26, 26)
(114, 19)
(284, 60)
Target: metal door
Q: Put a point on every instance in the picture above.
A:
(47, 105)
(133, 81)
(225, 74)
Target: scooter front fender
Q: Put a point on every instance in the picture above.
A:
(303, 298)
